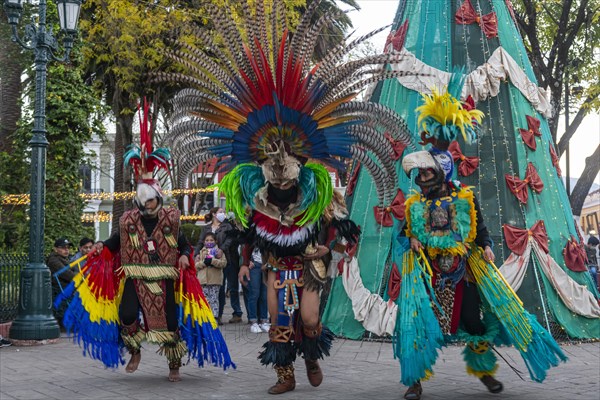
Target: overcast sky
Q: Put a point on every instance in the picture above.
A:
(378, 13)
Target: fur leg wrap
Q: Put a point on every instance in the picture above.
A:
(284, 373)
(279, 350)
(132, 337)
(316, 342)
(174, 349)
(480, 359)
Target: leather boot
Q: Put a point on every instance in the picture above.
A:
(313, 369)
(493, 385)
(414, 392)
(313, 372)
(286, 382)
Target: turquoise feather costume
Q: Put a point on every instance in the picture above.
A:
(447, 223)
(418, 331)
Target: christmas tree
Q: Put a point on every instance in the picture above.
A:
(512, 166)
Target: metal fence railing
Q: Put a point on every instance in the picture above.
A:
(10, 273)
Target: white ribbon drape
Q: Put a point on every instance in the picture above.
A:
(576, 297)
(482, 83)
(375, 314)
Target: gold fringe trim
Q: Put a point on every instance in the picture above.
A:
(458, 251)
(467, 194)
(150, 272)
(173, 351)
(160, 337)
(428, 374)
(135, 240)
(171, 240)
(481, 374)
(154, 288)
(133, 343)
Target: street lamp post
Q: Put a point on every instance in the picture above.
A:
(35, 320)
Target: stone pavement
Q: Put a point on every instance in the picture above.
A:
(355, 370)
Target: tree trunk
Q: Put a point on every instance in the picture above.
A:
(124, 123)
(572, 128)
(556, 97)
(11, 88)
(585, 181)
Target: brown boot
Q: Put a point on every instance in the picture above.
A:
(414, 392)
(493, 385)
(286, 382)
(313, 372)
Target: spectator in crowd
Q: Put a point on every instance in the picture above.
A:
(210, 262)
(251, 277)
(62, 274)
(4, 342)
(227, 239)
(85, 245)
(591, 250)
(57, 261)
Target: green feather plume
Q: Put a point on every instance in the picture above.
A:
(323, 196)
(239, 187)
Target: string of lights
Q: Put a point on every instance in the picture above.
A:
(496, 175)
(23, 199)
(103, 216)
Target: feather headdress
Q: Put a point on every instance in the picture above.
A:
(255, 84)
(144, 159)
(443, 116)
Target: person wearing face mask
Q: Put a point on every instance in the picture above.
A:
(150, 235)
(210, 262)
(227, 238)
(450, 288)
(147, 284)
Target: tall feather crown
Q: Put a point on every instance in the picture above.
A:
(143, 158)
(254, 85)
(443, 116)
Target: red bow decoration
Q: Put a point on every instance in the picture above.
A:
(394, 283)
(575, 256)
(555, 160)
(396, 38)
(383, 215)
(466, 15)
(467, 165)
(519, 187)
(469, 103)
(529, 134)
(351, 249)
(397, 145)
(517, 238)
(352, 182)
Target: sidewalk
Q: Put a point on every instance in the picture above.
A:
(355, 370)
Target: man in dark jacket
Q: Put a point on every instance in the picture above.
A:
(58, 262)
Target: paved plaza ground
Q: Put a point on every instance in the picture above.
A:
(355, 370)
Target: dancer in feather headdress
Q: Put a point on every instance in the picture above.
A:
(448, 275)
(256, 99)
(144, 267)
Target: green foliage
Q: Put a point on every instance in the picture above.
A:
(560, 33)
(191, 232)
(73, 115)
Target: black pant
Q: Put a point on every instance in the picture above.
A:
(129, 309)
(470, 311)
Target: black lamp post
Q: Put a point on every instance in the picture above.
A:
(35, 320)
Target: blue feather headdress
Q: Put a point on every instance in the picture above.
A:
(254, 84)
